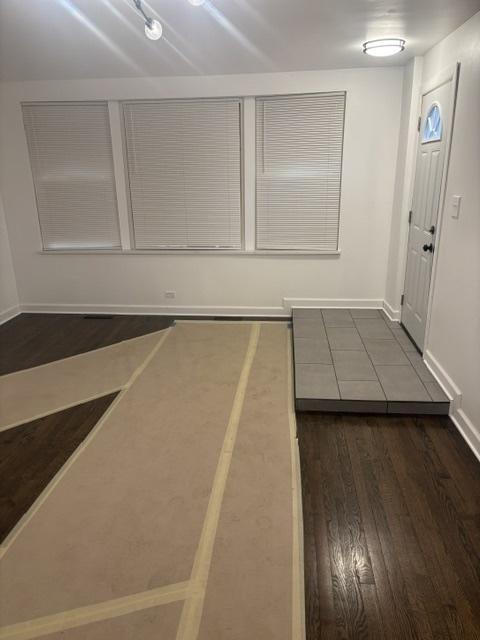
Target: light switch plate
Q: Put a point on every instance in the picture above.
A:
(456, 202)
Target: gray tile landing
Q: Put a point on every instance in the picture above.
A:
(358, 360)
(337, 318)
(310, 328)
(353, 366)
(365, 313)
(312, 351)
(373, 328)
(344, 338)
(436, 392)
(359, 390)
(401, 383)
(316, 381)
(387, 352)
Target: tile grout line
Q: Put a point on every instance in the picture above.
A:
(373, 366)
(89, 614)
(405, 353)
(422, 381)
(30, 513)
(192, 611)
(62, 408)
(392, 338)
(396, 365)
(331, 358)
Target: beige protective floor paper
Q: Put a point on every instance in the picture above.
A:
(129, 514)
(249, 592)
(32, 393)
(159, 623)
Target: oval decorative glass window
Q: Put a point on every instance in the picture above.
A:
(432, 129)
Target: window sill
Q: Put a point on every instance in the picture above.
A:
(189, 252)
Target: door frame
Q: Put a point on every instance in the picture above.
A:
(451, 73)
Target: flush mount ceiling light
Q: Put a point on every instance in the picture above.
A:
(153, 28)
(196, 3)
(383, 47)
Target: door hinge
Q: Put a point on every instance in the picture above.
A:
(402, 299)
(410, 216)
(418, 123)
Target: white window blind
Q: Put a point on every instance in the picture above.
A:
(299, 141)
(184, 167)
(72, 166)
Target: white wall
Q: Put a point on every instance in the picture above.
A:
(454, 338)
(407, 150)
(206, 284)
(8, 286)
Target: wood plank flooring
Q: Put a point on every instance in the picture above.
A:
(391, 528)
(32, 339)
(33, 453)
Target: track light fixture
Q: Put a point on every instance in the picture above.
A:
(153, 28)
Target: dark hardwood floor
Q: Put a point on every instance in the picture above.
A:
(32, 339)
(391, 504)
(391, 528)
(32, 453)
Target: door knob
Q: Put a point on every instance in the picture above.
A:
(428, 247)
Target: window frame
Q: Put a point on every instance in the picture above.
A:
(78, 250)
(248, 181)
(302, 251)
(439, 136)
(185, 250)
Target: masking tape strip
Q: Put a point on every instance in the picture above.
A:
(193, 607)
(94, 613)
(108, 347)
(298, 588)
(21, 524)
(62, 408)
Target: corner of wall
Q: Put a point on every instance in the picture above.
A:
(9, 301)
(407, 146)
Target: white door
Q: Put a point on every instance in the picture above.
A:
(425, 205)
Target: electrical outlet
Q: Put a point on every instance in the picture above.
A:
(170, 294)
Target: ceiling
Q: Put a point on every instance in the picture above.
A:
(64, 39)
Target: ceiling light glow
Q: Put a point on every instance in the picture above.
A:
(383, 47)
(196, 3)
(153, 29)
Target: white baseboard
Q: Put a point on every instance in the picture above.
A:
(8, 314)
(467, 429)
(332, 303)
(393, 314)
(201, 310)
(443, 379)
(166, 310)
(458, 416)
